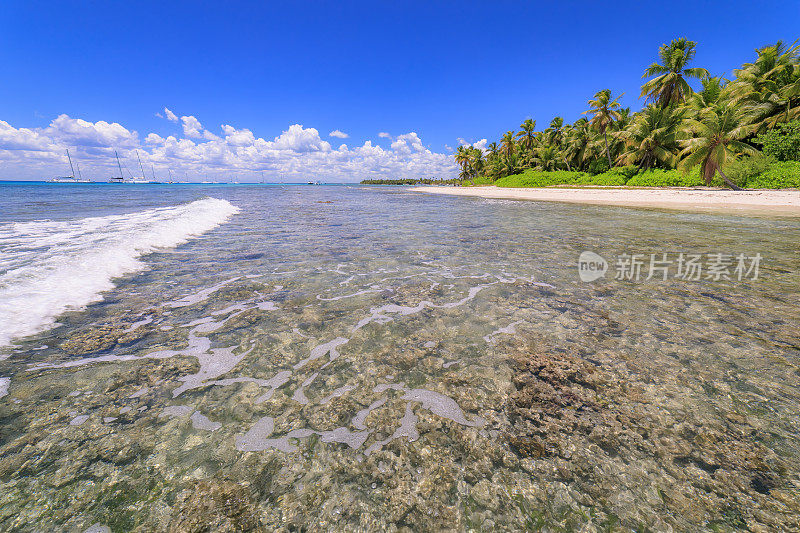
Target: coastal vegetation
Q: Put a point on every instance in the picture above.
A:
(411, 181)
(740, 133)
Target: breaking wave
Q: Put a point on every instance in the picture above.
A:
(49, 267)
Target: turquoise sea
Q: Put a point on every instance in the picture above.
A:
(349, 358)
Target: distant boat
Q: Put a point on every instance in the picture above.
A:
(313, 183)
(143, 179)
(121, 178)
(72, 178)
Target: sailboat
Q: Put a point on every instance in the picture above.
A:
(71, 178)
(121, 178)
(144, 178)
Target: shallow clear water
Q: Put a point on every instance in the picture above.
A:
(369, 358)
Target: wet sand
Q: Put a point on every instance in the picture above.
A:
(783, 202)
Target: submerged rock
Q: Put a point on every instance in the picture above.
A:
(215, 506)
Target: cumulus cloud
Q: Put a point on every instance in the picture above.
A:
(481, 145)
(236, 153)
(299, 139)
(338, 133)
(192, 127)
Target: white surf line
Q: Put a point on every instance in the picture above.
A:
(507, 330)
(51, 267)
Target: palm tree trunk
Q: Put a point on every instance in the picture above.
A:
(567, 162)
(608, 154)
(729, 182)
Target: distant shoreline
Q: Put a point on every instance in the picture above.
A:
(770, 202)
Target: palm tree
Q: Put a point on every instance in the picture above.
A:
(507, 144)
(555, 132)
(652, 137)
(714, 137)
(714, 92)
(463, 159)
(527, 135)
(771, 84)
(578, 143)
(547, 158)
(604, 112)
(669, 87)
(477, 162)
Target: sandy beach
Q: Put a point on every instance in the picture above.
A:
(783, 202)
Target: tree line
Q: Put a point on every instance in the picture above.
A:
(678, 127)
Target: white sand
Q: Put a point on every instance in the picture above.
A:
(782, 202)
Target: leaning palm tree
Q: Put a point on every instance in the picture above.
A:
(528, 133)
(652, 138)
(714, 137)
(605, 112)
(669, 86)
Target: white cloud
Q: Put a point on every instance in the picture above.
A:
(235, 154)
(481, 145)
(172, 117)
(338, 133)
(299, 139)
(384, 135)
(192, 127)
(83, 133)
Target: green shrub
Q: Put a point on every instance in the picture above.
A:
(599, 166)
(666, 178)
(779, 175)
(536, 178)
(748, 168)
(612, 177)
(783, 142)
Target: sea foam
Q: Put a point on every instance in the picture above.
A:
(49, 267)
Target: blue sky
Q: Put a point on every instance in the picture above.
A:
(441, 70)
